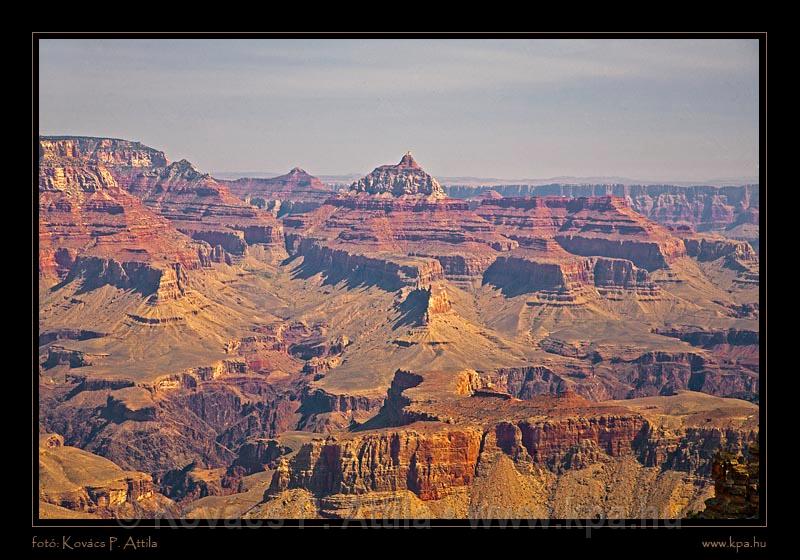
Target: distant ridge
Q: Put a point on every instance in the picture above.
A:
(447, 181)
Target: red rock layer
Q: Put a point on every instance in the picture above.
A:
(402, 231)
(89, 226)
(700, 207)
(110, 152)
(430, 463)
(204, 209)
(602, 226)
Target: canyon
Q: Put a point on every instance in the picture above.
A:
(280, 348)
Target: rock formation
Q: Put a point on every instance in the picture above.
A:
(732, 211)
(405, 178)
(736, 486)
(79, 481)
(91, 227)
(465, 437)
(205, 210)
(295, 192)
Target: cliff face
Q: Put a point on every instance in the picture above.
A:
(91, 228)
(447, 436)
(732, 211)
(445, 465)
(108, 171)
(711, 249)
(367, 238)
(430, 464)
(103, 151)
(735, 255)
(736, 486)
(204, 209)
(338, 264)
(564, 281)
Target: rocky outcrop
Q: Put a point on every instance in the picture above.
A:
(691, 449)
(430, 463)
(709, 338)
(570, 443)
(526, 382)
(203, 208)
(667, 372)
(359, 269)
(736, 486)
(193, 483)
(613, 275)
(736, 255)
(80, 481)
(434, 460)
(46, 337)
(420, 305)
(100, 171)
(160, 282)
(713, 248)
(105, 151)
(405, 178)
(456, 432)
(59, 355)
(322, 411)
(87, 219)
(599, 226)
(518, 275)
(565, 280)
(647, 255)
(258, 454)
(728, 371)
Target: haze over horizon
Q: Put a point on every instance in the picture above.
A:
(650, 110)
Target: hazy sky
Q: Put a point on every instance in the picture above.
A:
(676, 110)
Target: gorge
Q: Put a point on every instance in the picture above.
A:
(278, 348)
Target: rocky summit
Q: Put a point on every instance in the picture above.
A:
(274, 348)
(404, 179)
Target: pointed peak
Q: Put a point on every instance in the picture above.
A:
(183, 166)
(298, 170)
(408, 161)
(405, 178)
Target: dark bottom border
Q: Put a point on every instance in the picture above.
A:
(365, 540)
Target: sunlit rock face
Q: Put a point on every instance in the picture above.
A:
(405, 178)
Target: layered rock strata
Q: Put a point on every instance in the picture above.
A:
(405, 178)
(731, 210)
